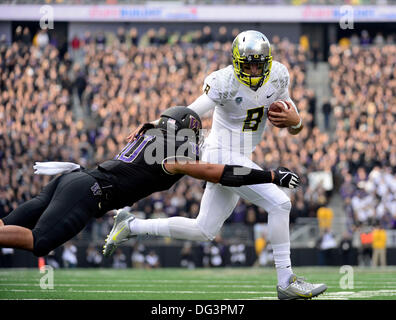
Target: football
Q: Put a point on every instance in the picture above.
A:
(278, 106)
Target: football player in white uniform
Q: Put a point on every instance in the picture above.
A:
(240, 96)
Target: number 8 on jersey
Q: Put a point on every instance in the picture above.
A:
(253, 119)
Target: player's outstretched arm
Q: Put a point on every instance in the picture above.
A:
(202, 105)
(232, 175)
(141, 129)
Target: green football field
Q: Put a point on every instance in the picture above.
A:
(183, 284)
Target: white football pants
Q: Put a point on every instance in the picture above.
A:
(218, 202)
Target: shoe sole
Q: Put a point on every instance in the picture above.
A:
(110, 246)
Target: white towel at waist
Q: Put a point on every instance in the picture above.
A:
(54, 167)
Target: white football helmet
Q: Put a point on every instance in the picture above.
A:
(251, 47)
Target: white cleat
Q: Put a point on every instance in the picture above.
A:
(298, 288)
(119, 233)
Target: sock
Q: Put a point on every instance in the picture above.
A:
(174, 227)
(278, 222)
(155, 227)
(281, 254)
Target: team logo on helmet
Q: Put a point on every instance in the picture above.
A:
(194, 123)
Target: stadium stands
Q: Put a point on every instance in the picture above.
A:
(364, 87)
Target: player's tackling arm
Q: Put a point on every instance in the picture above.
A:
(232, 175)
(198, 170)
(201, 106)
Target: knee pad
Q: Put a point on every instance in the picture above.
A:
(286, 206)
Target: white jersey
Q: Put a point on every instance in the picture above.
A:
(240, 113)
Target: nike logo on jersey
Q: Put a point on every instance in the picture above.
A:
(270, 95)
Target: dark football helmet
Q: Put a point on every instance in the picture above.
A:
(179, 117)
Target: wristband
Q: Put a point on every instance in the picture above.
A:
(297, 126)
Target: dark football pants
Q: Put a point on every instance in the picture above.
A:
(59, 212)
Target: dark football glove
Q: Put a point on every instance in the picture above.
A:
(144, 128)
(286, 178)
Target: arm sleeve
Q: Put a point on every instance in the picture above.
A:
(236, 176)
(202, 105)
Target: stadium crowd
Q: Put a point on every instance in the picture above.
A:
(81, 106)
(364, 87)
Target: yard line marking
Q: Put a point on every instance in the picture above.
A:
(330, 295)
(127, 284)
(147, 280)
(136, 291)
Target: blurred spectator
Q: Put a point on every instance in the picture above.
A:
(365, 38)
(304, 42)
(379, 39)
(41, 39)
(326, 110)
(187, 258)
(152, 260)
(6, 257)
(119, 260)
(325, 218)
(315, 51)
(121, 35)
(94, 258)
(26, 37)
(365, 249)
(326, 245)
(263, 252)
(133, 36)
(237, 254)
(345, 247)
(138, 256)
(213, 253)
(75, 43)
(312, 107)
(222, 35)
(379, 246)
(69, 255)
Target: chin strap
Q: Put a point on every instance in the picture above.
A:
(55, 167)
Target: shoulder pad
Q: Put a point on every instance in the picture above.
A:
(279, 76)
(221, 84)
